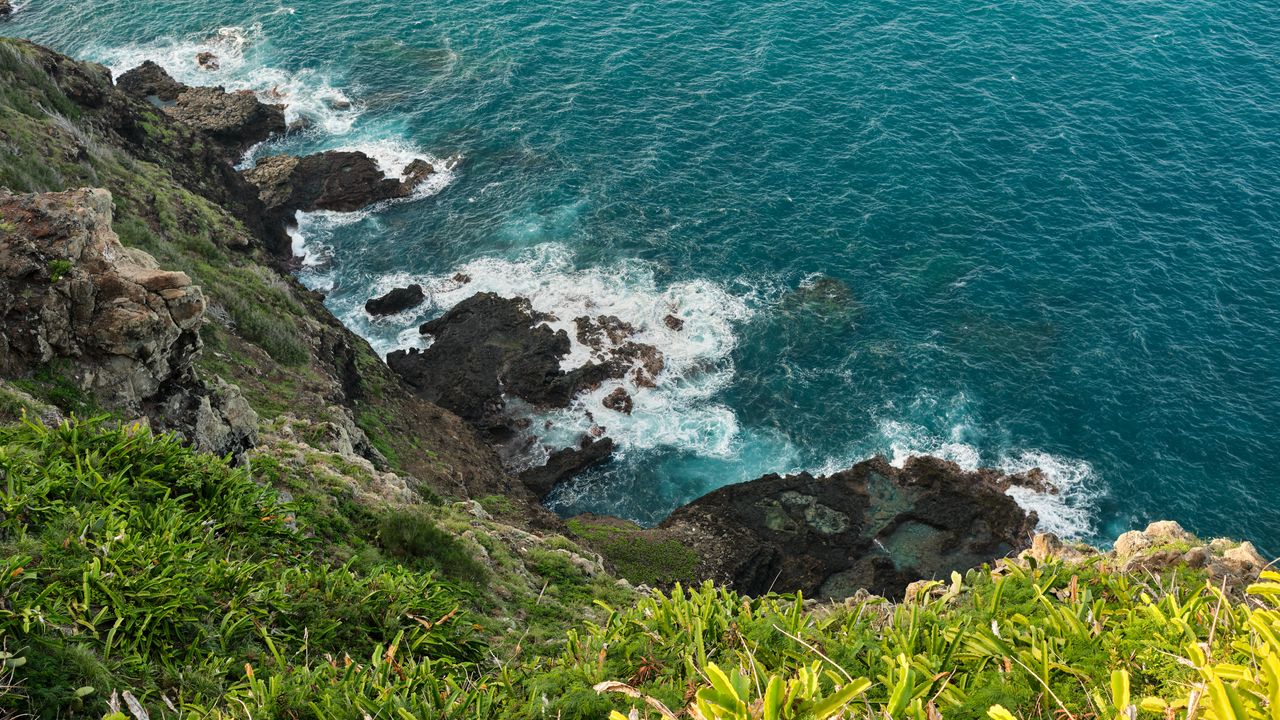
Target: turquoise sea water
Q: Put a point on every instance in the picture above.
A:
(1036, 233)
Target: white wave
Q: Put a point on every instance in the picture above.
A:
(679, 411)
(307, 93)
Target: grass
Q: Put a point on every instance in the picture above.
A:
(639, 559)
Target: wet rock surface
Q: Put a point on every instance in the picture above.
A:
(342, 181)
(872, 526)
(126, 331)
(564, 464)
(487, 346)
(396, 301)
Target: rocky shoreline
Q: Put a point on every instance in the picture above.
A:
(132, 335)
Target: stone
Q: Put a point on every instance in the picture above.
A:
(1245, 560)
(207, 61)
(6, 9)
(619, 400)
(673, 322)
(872, 526)
(486, 348)
(396, 301)
(149, 80)
(127, 331)
(235, 120)
(564, 464)
(341, 181)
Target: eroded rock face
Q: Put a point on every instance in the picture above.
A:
(396, 301)
(486, 346)
(335, 180)
(128, 331)
(872, 526)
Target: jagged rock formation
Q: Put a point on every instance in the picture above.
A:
(235, 120)
(872, 526)
(150, 81)
(72, 293)
(486, 346)
(336, 180)
(396, 301)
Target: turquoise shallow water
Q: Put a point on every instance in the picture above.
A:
(1036, 233)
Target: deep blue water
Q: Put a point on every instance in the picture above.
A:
(1011, 233)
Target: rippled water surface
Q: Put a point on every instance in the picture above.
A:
(1039, 233)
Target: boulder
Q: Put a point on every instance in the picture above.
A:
(564, 464)
(673, 322)
(6, 9)
(872, 526)
(235, 120)
(396, 301)
(207, 61)
(124, 330)
(486, 347)
(619, 400)
(149, 80)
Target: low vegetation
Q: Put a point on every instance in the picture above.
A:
(136, 573)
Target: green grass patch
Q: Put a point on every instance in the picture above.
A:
(638, 558)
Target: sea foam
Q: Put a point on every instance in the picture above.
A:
(307, 94)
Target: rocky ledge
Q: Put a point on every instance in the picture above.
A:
(71, 293)
(872, 526)
(235, 120)
(336, 180)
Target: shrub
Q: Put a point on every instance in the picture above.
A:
(410, 535)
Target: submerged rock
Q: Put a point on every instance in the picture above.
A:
(126, 331)
(872, 526)
(564, 464)
(6, 9)
(396, 301)
(620, 401)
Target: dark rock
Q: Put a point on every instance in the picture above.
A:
(564, 464)
(620, 401)
(416, 172)
(6, 9)
(485, 346)
(461, 278)
(300, 124)
(207, 61)
(873, 526)
(398, 300)
(335, 180)
(149, 80)
(673, 322)
(237, 120)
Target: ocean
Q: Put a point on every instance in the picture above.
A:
(1042, 233)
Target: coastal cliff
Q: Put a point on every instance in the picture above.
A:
(368, 509)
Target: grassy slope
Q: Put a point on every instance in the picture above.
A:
(130, 563)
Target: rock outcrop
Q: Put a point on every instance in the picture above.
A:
(71, 295)
(336, 180)
(872, 526)
(236, 121)
(564, 464)
(396, 301)
(486, 347)
(149, 81)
